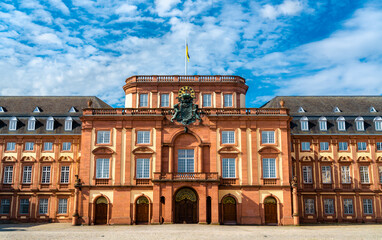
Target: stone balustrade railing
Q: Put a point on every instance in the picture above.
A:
(185, 78)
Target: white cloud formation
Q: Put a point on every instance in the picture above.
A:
(48, 38)
(58, 4)
(163, 7)
(126, 9)
(287, 8)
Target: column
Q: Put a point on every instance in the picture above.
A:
(296, 218)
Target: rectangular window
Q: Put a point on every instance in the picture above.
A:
(27, 174)
(11, 146)
(48, 146)
(367, 206)
(269, 167)
(207, 100)
(361, 146)
(343, 146)
(379, 146)
(329, 206)
(31, 125)
(345, 174)
(380, 174)
(307, 174)
(341, 125)
(49, 125)
(165, 100)
(304, 125)
(378, 125)
(43, 206)
(68, 125)
(143, 168)
(13, 125)
(348, 206)
(66, 146)
(364, 172)
(228, 137)
(29, 146)
(324, 146)
(103, 137)
(24, 206)
(62, 206)
(267, 137)
(102, 168)
(65, 174)
(45, 177)
(143, 100)
(228, 166)
(8, 174)
(5, 206)
(323, 126)
(228, 100)
(305, 146)
(143, 137)
(359, 126)
(185, 160)
(326, 174)
(309, 206)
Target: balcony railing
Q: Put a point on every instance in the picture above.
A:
(228, 181)
(143, 181)
(186, 176)
(270, 181)
(186, 78)
(102, 181)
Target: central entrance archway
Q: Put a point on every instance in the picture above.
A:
(186, 206)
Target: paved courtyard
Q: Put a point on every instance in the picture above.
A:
(180, 231)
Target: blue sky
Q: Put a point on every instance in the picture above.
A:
(283, 47)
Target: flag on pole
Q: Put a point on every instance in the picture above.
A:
(187, 55)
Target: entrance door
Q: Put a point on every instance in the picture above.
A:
(229, 210)
(270, 210)
(142, 210)
(101, 211)
(186, 206)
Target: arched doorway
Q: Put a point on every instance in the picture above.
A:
(186, 206)
(142, 210)
(229, 210)
(101, 211)
(270, 210)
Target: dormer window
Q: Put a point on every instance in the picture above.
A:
(304, 124)
(68, 124)
(72, 110)
(2, 109)
(323, 123)
(50, 124)
(341, 124)
(378, 123)
(336, 109)
(359, 122)
(301, 110)
(31, 124)
(372, 109)
(13, 124)
(37, 110)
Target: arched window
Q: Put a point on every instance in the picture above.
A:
(378, 123)
(13, 124)
(68, 124)
(31, 123)
(341, 124)
(304, 124)
(50, 124)
(323, 123)
(359, 122)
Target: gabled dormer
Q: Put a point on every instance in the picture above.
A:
(73, 110)
(37, 110)
(336, 109)
(372, 109)
(301, 110)
(2, 109)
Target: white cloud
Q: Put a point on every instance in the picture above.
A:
(58, 4)
(48, 38)
(287, 8)
(163, 7)
(126, 9)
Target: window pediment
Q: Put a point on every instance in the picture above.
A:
(102, 151)
(228, 149)
(269, 150)
(345, 159)
(9, 159)
(46, 159)
(143, 150)
(65, 159)
(306, 159)
(28, 159)
(363, 159)
(325, 159)
(379, 159)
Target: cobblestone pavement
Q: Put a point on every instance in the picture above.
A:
(195, 231)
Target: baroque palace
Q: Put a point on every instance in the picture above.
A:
(185, 149)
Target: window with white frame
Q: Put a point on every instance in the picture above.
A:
(27, 174)
(307, 174)
(185, 160)
(165, 100)
(345, 174)
(361, 146)
(45, 176)
(341, 124)
(43, 206)
(68, 124)
(304, 124)
(143, 100)
(309, 205)
(348, 206)
(326, 174)
(31, 124)
(11, 146)
(228, 137)
(103, 137)
(64, 174)
(102, 168)
(342, 146)
(48, 146)
(13, 124)
(267, 137)
(378, 123)
(207, 100)
(72, 110)
(62, 206)
(66, 146)
(305, 146)
(379, 146)
(322, 121)
(329, 206)
(29, 146)
(50, 124)
(5, 206)
(380, 174)
(367, 206)
(143, 137)
(269, 168)
(359, 122)
(143, 168)
(8, 174)
(364, 174)
(228, 100)
(228, 168)
(324, 146)
(24, 206)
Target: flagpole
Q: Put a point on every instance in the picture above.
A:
(185, 56)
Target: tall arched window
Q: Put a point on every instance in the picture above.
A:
(341, 124)
(31, 123)
(378, 123)
(323, 124)
(359, 122)
(68, 124)
(50, 124)
(304, 124)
